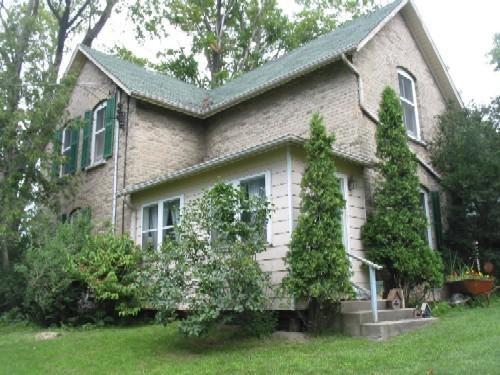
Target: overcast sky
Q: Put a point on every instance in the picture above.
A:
(462, 31)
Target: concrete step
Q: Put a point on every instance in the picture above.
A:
(360, 305)
(385, 329)
(352, 321)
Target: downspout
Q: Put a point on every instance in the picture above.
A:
(362, 105)
(115, 162)
(290, 201)
(125, 162)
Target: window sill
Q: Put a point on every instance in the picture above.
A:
(95, 165)
(417, 141)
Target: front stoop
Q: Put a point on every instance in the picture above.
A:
(357, 320)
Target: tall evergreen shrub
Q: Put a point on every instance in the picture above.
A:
(317, 261)
(394, 233)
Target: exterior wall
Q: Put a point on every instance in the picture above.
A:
(92, 188)
(392, 47)
(274, 163)
(279, 164)
(331, 90)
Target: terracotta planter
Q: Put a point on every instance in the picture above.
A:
(471, 286)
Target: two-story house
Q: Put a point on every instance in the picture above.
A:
(151, 143)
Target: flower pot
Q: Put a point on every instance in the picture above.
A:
(470, 286)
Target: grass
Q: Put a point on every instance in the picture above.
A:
(462, 342)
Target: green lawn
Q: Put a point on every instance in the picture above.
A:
(466, 342)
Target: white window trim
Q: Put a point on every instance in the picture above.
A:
(159, 203)
(427, 216)
(103, 105)
(345, 212)
(414, 104)
(63, 150)
(267, 181)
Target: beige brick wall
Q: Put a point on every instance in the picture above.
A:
(331, 90)
(161, 141)
(378, 61)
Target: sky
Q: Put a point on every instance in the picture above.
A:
(462, 30)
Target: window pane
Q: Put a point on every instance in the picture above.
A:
(99, 119)
(423, 205)
(171, 212)
(405, 88)
(409, 118)
(343, 216)
(150, 218)
(150, 240)
(66, 138)
(66, 163)
(168, 233)
(99, 147)
(255, 187)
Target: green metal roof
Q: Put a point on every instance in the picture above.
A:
(173, 93)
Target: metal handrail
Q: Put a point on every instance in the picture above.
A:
(372, 267)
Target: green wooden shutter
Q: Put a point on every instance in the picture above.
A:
(73, 153)
(109, 126)
(87, 131)
(64, 218)
(436, 211)
(57, 151)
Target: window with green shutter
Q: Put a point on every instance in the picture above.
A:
(73, 150)
(87, 131)
(109, 126)
(57, 149)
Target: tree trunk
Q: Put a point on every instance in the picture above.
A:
(93, 32)
(5, 259)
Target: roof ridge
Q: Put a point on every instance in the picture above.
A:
(145, 69)
(170, 92)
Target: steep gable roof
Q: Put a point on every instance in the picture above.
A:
(169, 92)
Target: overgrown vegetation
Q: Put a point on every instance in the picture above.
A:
(70, 275)
(394, 234)
(317, 261)
(465, 151)
(209, 269)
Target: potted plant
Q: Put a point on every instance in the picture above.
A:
(469, 281)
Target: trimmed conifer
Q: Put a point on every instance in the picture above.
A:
(319, 270)
(394, 234)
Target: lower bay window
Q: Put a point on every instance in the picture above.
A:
(424, 199)
(256, 186)
(159, 220)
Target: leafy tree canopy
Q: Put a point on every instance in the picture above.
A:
(495, 52)
(466, 152)
(235, 36)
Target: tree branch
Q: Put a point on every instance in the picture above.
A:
(93, 32)
(54, 11)
(78, 13)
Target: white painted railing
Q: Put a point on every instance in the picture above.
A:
(372, 267)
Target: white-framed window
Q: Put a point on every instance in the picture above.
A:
(345, 227)
(98, 130)
(424, 203)
(65, 150)
(408, 97)
(159, 220)
(258, 185)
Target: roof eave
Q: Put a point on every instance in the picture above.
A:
(288, 139)
(431, 54)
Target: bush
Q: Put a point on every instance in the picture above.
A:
(209, 269)
(109, 265)
(53, 284)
